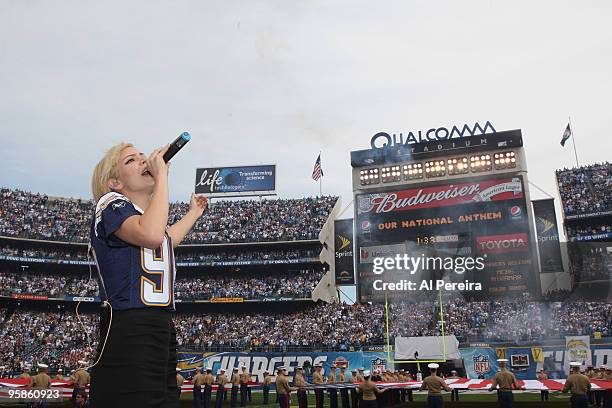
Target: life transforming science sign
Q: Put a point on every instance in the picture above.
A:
(236, 181)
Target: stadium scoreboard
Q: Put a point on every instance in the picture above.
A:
(447, 200)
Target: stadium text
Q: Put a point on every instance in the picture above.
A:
(413, 264)
(433, 134)
(408, 285)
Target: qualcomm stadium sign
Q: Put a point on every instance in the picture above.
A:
(384, 139)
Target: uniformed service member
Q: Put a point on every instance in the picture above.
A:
(198, 382)
(505, 380)
(283, 389)
(245, 377)
(344, 394)
(541, 377)
(40, 381)
(221, 381)
(608, 393)
(455, 391)
(266, 387)
(434, 386)
(409, 377)
(25, 373)
(395, 392)
(317, 379)
(401, 377)
(59, 375)
(579, 385)
(599, 375)
(79, 379)
(354, 396)
(235, 387)
(590, 373)
(300, 382)
(333, 391)
(368, 392)
(208, 382)
(179, 381)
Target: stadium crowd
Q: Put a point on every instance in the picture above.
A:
(328, 325)
(240, 255)
(586, 189)
(246, 255)
(582, 230)
(31, 215)
(43, 253)
(59, 338)
(297, 284)
(46, 285)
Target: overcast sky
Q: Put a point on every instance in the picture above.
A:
(259, 82)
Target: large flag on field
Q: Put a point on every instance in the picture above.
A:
(317, 171)
(566, 134)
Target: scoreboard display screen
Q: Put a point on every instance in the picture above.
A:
(482, 218)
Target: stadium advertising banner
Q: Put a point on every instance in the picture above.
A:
(44, 260)
(236, 181)
(92, 299)
(343, 241)
(25, 296)
(484, 219)
(548, 235)
(604, 236)
(479, 362)
(257, 363)
(249, 262)
(577, 348)
(526, 362)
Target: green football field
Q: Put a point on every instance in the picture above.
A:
(467, 399)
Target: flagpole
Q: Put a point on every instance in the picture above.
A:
(573, 140)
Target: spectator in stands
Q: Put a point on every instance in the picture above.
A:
(586, 190)
(37, 216)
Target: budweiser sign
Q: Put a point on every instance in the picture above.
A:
(440, 196)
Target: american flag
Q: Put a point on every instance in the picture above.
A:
(317, 172)
(566, 134)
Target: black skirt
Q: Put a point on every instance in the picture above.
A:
(138, 364)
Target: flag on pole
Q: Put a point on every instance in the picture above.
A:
(566, 135)
(317, 172)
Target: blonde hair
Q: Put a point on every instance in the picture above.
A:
(106, 169)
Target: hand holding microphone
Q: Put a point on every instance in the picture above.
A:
(177, 145)
(160, 157)
(155, 164)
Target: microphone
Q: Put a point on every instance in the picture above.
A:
(177, 145)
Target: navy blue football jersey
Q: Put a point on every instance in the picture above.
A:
(130, 276)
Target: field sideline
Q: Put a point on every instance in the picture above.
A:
(467, 399)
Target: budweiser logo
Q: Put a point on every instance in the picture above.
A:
(384, 203)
